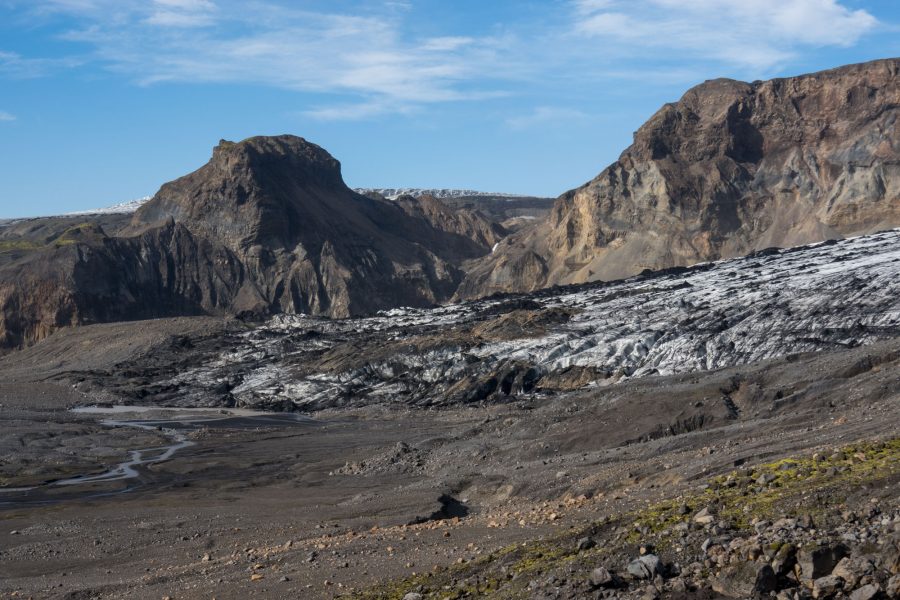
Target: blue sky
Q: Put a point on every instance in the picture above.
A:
(102, 101)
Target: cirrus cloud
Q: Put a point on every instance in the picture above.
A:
(366, 57)
(369, 60)
(543, 115)
(753, 34)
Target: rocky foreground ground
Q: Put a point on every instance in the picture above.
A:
(514, 500)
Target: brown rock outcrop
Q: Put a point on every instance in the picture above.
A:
(266, 226)
(730, 168)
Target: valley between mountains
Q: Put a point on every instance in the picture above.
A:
(680, 380)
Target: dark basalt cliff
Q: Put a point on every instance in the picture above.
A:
(730, 168)
(266, 226)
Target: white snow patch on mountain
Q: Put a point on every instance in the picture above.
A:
(121, 208)
(394, 193)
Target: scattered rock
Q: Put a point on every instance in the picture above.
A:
(819, 561)
(827, 587)
(585, 543)
(866, 592)
(645, 567)
(601, 577)
(704, 517)
(745, 580)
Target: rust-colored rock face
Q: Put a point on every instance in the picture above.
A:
(266, 226)
(730, 168)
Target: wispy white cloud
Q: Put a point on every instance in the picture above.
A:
(5, 116)
(753, 34)
(357, 111)
(543, 115)
(182, 13)
(13, 64)
(369, 56)
(371, 62)
(586, 7)
(445, 44)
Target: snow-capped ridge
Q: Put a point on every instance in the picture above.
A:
(390, 193)
(439, 193)
(120, 208)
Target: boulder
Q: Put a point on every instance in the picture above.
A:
(848, 570)
(601, 577)
(818, 561)
(866, 592)
(745, 580)
(827, 587)
(892, 588)
(585, 543)
(890, 556)
(645, 567)
(785, 559)
(704, 517)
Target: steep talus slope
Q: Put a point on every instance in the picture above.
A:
(730, 168)
(266, 226)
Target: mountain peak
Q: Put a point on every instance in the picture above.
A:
(729, 168)
(289, 153)
(253, 191)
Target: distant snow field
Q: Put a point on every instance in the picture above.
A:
(389, 193)
(121, 208)
(394, 193)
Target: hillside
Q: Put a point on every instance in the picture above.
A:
(730, 168)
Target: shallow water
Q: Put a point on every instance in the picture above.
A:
(120, 409)
(144, 456)
(174, 427)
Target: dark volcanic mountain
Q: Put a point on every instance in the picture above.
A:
(730, 168)
(266, 226)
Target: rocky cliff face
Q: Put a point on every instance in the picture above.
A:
(267, 226)
(474, 230)
(163, 271)
(307, 242)
(730, 168)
